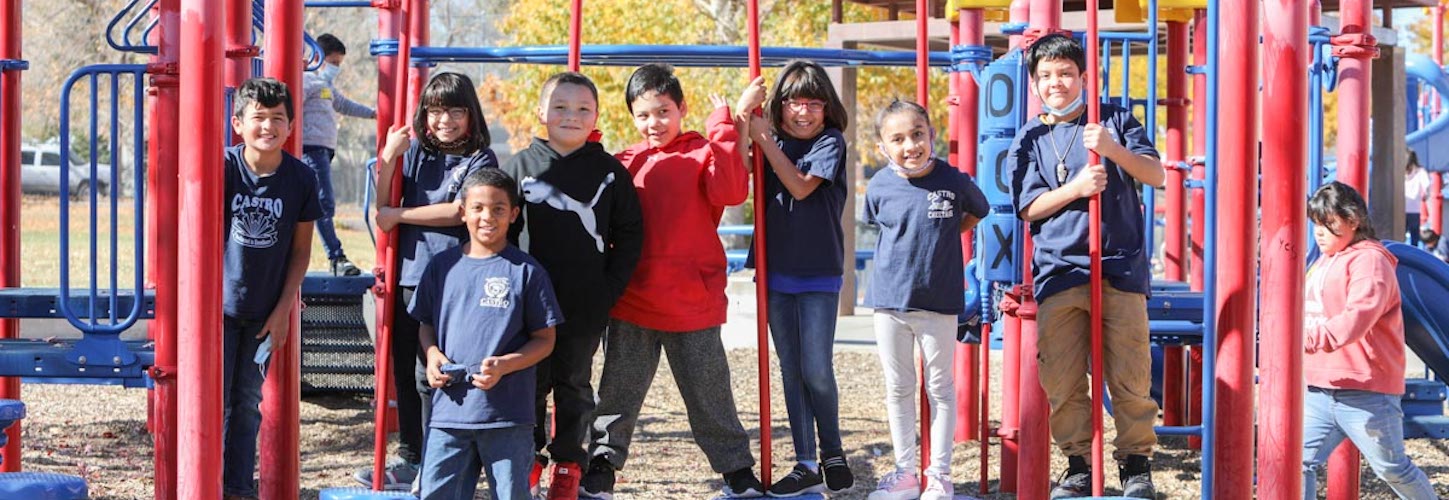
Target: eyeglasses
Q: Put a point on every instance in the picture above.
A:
(454, 113)
(812, 106)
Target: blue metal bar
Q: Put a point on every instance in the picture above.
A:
(1210, 259)
(1105, 61)
(125, 44)
(679, 55)
(1126, 97)
(91, 199)
(338, 3)
(115, 161)
(1149, 192)
(1125, 36)
(1315, 113)
(370, 189)
(1178, 430)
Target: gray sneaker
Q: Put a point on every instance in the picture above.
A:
(398, 475)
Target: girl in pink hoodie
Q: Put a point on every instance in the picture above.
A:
(1354, 347)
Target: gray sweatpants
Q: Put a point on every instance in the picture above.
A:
(702, 374)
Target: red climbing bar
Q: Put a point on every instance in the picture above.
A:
(1174, 253)
(10, 17)
(1199, 213)
(162, 204)
(762, 307)
(970, 30)
(1093, 86)
(576, 33)
(923, 97)
(199, 268)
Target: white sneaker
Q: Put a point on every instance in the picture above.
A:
(898, 485)
(938, 487)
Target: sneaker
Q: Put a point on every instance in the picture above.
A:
(743, 484)
(565, 482)
(598, 482)
(1136, 475)
(938, 487)
(837, 473)
(898, 485)
(800, 481)
(343, 267)
(535, 474)
(398, 475)
(1076, 481)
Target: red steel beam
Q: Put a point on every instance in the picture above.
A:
(162, 240)
(1174, 252)
(10, 28)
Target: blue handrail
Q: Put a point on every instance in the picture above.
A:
(112, 323)
(679, 55)
(125, 44)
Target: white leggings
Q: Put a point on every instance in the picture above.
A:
(897, 334)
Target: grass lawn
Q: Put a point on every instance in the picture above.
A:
(40, 231)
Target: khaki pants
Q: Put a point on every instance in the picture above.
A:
(1065, 350)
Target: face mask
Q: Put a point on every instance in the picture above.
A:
(906, 171)
(1070, 108)
(328, 71)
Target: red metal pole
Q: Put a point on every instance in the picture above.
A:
(279, 464)
(1175, 250)
(199, 269)
(923, 97)
(1094, 248)
(418, 29)
(1198, 235)
(1033, 433)
(10, 204)
(762, 306)
(576, 34)
(1237, 273)
(162, 238)
(239, 48)
(1010, 430)
(394, 105)
(1436, 179)
(970, 30)
(1284, 212)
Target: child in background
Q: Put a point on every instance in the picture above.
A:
(1430, 241)
(321, 104)
(1354, 347)
(271, 201)
(805, 192)
(922, 205)
(449, 141)
(676, 299)
(581, 221)
(489, 308)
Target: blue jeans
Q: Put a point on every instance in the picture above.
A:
(803, 327)
(1374, 422)
(241, 395)
(320, 159)
(455, 457)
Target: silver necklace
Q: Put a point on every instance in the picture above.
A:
(1062, 156)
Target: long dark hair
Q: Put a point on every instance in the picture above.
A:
(1337, 200)
(453, 90)
(805, 79)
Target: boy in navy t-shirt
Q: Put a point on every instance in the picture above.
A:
(271, 201)
(1051, 186)
(489, 308)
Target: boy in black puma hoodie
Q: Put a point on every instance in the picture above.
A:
(581, 221)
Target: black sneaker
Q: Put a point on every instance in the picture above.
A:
(343, 267)
(1136, 475)
(800, 481)
(743, 484)
(1076, 482)
(598, 481)
(837, 473)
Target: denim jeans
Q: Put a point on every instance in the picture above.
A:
(803, 327)
(241, 395)
(455, 457)
(1374, 422)
(320, 159)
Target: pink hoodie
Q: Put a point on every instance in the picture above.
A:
(1353, 326)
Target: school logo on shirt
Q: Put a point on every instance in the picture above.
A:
(254, 220)
(495, 291)
(943, 204)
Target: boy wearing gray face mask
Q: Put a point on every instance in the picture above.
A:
(320, 105)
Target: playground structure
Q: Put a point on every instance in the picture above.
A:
(1204, 312)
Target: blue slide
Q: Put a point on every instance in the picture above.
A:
(1430, 143)
(1424, 284)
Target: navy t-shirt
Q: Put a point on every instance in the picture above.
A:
(431, 177)
(804, 237)
(262, 215)
(1061, 261)
(481, 308)
(918, 256)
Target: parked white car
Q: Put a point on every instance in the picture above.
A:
(40, 172)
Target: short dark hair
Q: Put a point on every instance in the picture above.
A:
(1055, 46)
(266, 92)
(566, 77)
(1340, 201)
(899, 106)
(1428, 234)
(330, 45)
(453, 90)
(656, 78)
(492, 177)
(807, 79)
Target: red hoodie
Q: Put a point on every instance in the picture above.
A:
(1353, 326)
(683, 188)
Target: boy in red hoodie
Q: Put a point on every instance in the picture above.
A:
(675, 300)
(1354, 347)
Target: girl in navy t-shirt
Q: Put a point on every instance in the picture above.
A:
(447, 140)
(805, 194)
(922, 205)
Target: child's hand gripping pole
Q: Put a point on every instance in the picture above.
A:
(1092, 77)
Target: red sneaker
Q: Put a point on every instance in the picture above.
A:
(565, 482)
(535, 475)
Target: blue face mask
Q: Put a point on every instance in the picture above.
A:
(328, 71)
(1070, 108)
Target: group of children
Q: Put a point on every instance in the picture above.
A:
(513, 275)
